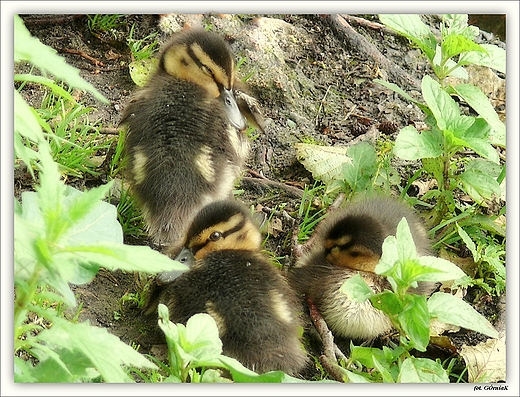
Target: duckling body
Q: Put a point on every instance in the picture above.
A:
(184, 143)
(349, 242)
(251, 302)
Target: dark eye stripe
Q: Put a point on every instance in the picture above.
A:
(234, 229)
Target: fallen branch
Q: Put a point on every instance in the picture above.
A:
(95, 61)
(328, 359)
(294, 191)
(345, 32)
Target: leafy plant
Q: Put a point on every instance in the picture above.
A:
(195, 354)
(139, 49)
(351, 170)
(410, 313)
(451, 132)
(62, 236)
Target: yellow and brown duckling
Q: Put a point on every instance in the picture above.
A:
(185, 143)
(349, 241)
(230, 279)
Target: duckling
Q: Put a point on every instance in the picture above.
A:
(255, 309)
(185, 143)
(349, 242)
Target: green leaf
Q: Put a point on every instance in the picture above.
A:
(442, 105)
(444, 270)
(468, 241)
(91, 344)
(28, 48)
(142, 68)
(421, 370)
(386, 375)
(494, 57)
(479, 101)
(359, 173)
(55, 88)
(410, 145)
(388, 302)
(411, 26)
(455, 44)
(451, 310)
(415, 320)
(121, 257)
(356, 289)
(479, 185)
(405, 245)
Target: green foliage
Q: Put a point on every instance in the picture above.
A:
(195, 347)
(308, 214)
(350, 170)
(142, 61)
(62, 236)
(410, 313)
(104, 22)
(451, 132)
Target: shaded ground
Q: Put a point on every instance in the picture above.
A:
(313, 82)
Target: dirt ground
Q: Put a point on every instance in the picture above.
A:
(313, 80)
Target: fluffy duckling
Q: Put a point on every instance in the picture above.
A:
(251, 302)
(185, 143)
(349, 242)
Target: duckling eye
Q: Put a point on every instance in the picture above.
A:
(207, 70)
(215, 236)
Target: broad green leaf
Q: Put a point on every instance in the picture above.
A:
(26, 126)
(141, 69)
(422, 370)
(92, 344)
(359, 173)
(405, 244)
(78, 368)
(203, 342)
(451, 310)
(388, 302)
(121, 257)
(442, 105)
(410, 145)
(479, 185)
(55, 88)
(445, 270)
(455, 44)
(479, 101)
(23, 371)
(356, 378)
(356, 289)
(415, 320)
(494, 58)
(468, 241)
(435, 166)
(242, 374)
(411, 26)
(324, 162)
(30, 49)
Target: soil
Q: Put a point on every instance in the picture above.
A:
(313, 80)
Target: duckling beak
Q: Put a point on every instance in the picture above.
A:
(186, 257)
(232, 111)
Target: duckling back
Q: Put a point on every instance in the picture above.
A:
(349, 242)
(183, 143)
(255, 309)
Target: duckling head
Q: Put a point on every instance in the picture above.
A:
(221, 225)
(205, 59)
(354, 242)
